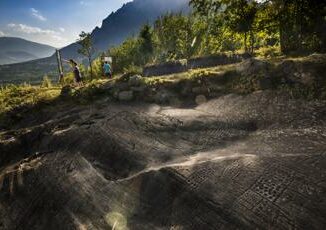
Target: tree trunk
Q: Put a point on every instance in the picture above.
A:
(252, 41)
(245, 42)
(90, 67)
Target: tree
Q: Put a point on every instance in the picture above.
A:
(87, 48)
(301, 24)
(146, 43)
(239, 15)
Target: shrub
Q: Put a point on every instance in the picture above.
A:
(46, 83)
(269, 52)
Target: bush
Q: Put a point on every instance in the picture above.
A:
(46, 83)
(133, 69)
(269, 52)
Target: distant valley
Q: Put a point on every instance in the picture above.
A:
(16, 50)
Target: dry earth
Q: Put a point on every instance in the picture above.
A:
(236, 162)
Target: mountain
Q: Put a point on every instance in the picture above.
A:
(119, 25)
(15, 50)
(126, 22)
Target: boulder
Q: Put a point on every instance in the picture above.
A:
(126, 95)
(253, 66)
(265, 83)
(185, 88)
(135, 80)
(138, 89)
(293, 72)
(201, 99)
(66, 91)
(164, 97)
(122, 86)
(199, 90)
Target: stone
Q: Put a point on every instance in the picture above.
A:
(164, 97)
(122, 86)
(199, 90)
(135, 80)
(253, 66)
(126, 95)
(201, 99)
(138, 89)
(265, 83)
(295, 73)
(66, 91)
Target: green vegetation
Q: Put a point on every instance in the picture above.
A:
(87, 49)
(267, 29)
(262, 28)
(14, 97)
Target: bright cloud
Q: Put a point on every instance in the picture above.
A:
(35, 13)
(62, 29)
(29, 29)
(2, 34)
(53, 37)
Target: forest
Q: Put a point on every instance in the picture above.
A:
(259, 28)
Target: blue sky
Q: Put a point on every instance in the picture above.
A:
(53, 22)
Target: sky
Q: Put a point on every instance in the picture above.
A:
(53, 22)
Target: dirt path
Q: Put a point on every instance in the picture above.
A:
(236, 162)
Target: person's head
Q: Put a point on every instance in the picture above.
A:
(72, 62)
(106, 62)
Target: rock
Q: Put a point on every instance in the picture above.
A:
(186, 88)
(288, 67)
(295, 73)
(66, 91)
(265, 83)
(135, 80)
(253, 66)
(139, 89)
(199, 90)
(122, 86)
(200, 99)
(126, 95)
(164, 97)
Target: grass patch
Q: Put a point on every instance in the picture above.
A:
(12, 96)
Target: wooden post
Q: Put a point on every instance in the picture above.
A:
(60, 67)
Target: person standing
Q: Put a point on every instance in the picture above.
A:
(107, 69)
(76, 71)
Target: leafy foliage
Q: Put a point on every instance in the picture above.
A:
(87, 48)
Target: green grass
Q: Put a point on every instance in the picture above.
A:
(12, 96)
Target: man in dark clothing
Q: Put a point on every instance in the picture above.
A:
(76, 71)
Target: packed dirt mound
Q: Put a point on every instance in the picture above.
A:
(236, 162)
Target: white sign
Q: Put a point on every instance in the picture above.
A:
(108, 59)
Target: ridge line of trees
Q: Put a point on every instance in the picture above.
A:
(265, 27)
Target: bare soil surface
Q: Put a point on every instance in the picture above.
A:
(236, 162)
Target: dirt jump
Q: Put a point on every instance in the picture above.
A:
(235, 162)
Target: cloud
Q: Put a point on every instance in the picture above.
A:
(85, 3)
(62, 29)
(35, 13)
(2, 34)
(38, 34)
(29, 29)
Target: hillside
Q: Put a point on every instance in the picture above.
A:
(15, 50)
(249, 157)
(127, 21)
(115, 28)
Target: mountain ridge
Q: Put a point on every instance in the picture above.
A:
(113, 31)
(126, 22)
(16, 50)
